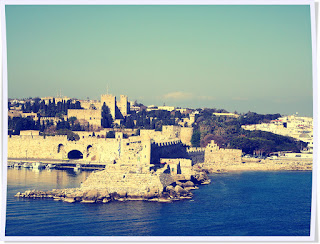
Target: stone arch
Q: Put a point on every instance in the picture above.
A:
(75, 154)
(60, 148)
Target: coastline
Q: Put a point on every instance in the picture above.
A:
(260, 165)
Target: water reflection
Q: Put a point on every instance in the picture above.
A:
(45, 178)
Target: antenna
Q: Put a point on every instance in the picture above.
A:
(107, 89)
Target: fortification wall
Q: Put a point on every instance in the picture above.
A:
(213, 154)
(186, 135)
(87, 104)
(196, 154)
(152, 134)
(90, 115)
(167, 150)
(58, 147)
(170, 132)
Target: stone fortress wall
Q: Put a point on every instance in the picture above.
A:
(134, 154)
(169, 132)
(90, 115)
(196, 154)
(214, 154)
(58, 147)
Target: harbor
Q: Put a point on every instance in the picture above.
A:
(53, 164)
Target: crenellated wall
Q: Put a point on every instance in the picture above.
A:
(197, 154)
(173, 149)
(214, 154)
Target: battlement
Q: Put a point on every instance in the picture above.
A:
(167, 143)
(214, 154)
(195, 149)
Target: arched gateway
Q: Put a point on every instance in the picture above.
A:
(75, 154)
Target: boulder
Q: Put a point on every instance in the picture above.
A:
(69, 199)
(91, 194)
(179, 183)
(114, 196)
(164, 200)
(188, 184)
(88, 201)
(178, 189)
(149, 195)
(122, 194)
(170, 188)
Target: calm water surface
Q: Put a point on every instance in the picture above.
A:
(234, 204)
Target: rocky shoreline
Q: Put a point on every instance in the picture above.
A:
(177, 190)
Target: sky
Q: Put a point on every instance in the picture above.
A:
(239, 58)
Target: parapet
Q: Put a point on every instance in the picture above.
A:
(195, 149)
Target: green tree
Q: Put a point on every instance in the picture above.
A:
(195, 139)
(106, 117)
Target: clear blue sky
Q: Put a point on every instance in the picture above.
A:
(242, 58)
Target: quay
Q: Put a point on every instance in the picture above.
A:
(58, 164)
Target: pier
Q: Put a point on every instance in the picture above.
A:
(55, 163)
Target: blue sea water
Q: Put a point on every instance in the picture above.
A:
(234, 204)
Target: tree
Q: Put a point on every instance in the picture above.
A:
(106, 118)
(195, 139)
(71, 136)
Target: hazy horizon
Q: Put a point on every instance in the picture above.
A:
(238, 58)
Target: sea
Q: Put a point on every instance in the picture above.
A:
(276, 203)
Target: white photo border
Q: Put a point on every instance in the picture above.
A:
(4, 130)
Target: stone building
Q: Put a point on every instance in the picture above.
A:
(170, 132)
(92, 109)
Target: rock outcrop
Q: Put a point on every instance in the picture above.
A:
(105, 186)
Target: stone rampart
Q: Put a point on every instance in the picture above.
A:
(90, 115)
(58, 147)
(167, 150)
(214, 154)
(197, 154)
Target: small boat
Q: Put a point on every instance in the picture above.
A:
(17, 165)
(26, 165)
(50, 166)
(77, 168)
(37, 165)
